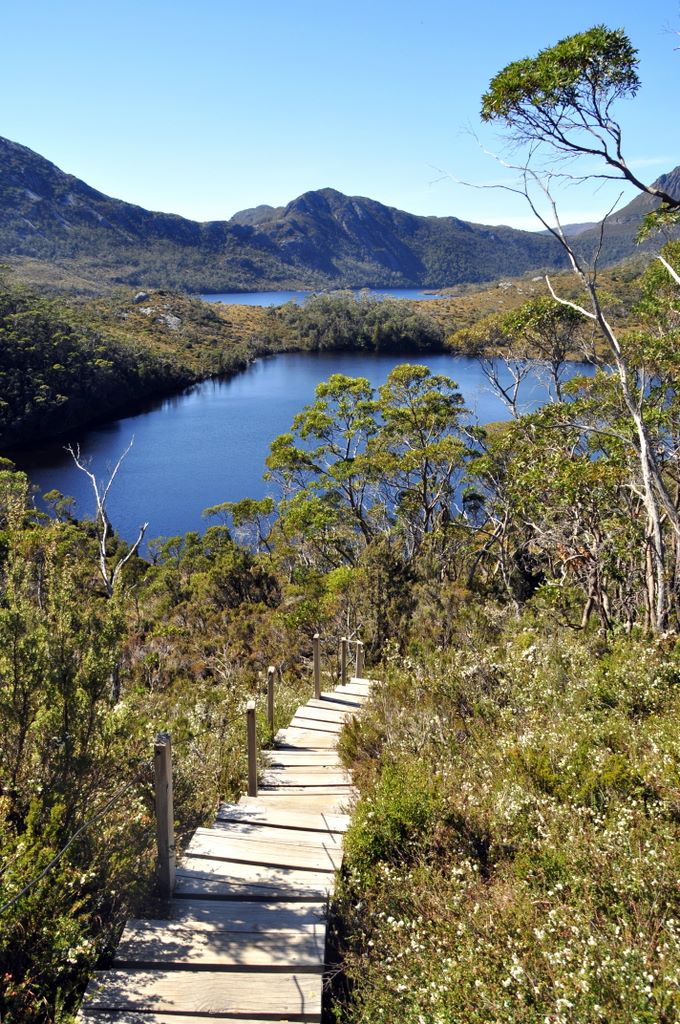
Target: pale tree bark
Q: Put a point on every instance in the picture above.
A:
(110, 573)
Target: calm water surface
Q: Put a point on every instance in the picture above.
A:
(209, 444)
(278, 298)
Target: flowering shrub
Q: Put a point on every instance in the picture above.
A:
(515, 854)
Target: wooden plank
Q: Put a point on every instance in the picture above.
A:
(207, 992)
(309, 739)
(261, 810)
(337, 701)
(316, 714)
(347, 699)
(355, 689)
(267, 833)
(312, 790)
(304, 777)
(174, 944)
(303, 721)
(301, 758)
(296, 803)
(240, 915)
(131, 1017)
(201, 875)
(221, 844)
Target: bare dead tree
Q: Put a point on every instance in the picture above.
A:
(109, 571)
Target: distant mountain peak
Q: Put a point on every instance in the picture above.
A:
(321, 239)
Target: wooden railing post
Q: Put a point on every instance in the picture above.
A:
(359, 670)
(271, 672)
(165, 824)
(343, 660)
(252, 748)
(316, 645)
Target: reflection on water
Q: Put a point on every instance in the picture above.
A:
(279, 298)
(209, 444)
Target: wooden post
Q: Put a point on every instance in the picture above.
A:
(165, 823)
(343, 660)
(271, 672)
(359, 670)
(252, 748)
(316, 643)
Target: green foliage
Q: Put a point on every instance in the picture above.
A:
(515, 858)
(584, 69)
(341, 321)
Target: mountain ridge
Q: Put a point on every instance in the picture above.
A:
(319, 240)
(322, 239)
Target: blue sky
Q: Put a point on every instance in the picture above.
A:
(206, 108)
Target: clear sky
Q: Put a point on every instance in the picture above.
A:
(209, 107)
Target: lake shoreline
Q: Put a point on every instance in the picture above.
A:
(148, 401)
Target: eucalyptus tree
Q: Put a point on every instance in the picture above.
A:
(539, 337)
(358, 465)
(561, 102)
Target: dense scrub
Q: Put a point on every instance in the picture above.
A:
(516, 849)
(86, 682)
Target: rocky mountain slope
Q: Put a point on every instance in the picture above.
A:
(322, 239)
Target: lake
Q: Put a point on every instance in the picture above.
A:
(209, 444)
(279, 298)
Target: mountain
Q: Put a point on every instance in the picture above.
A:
(622, 226)
(322, 239)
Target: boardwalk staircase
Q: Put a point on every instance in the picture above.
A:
(245, 934)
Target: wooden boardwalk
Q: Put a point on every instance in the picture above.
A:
(245, 935)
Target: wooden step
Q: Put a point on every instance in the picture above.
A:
(304, 777)
(177, 944)
(334, 703)
(215, 877)
(296, 804)
(252, 809)
(268, 833)
(300, 758)
(221, 844)
(131, 1017)
(241, 915)
(317, 714)
(278, 996)
(309, 739)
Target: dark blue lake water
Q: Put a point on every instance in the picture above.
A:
(209, 444)
(278, 298)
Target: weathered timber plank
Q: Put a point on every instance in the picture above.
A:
(315, 724)
(176, 944)
(221, 844)
(309, 790)
(301, 759)
(315, 818)
(267, 833)
(324, 714)
(334, 702)
(240, 915)
(201, 875)
(354, 690)
(302, 804)
(309, 739)
(303, 777)
(207, 992)
(131, 1017)
(348, 700)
